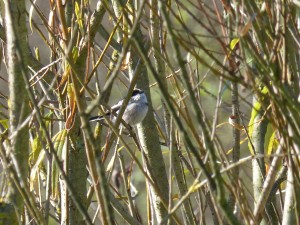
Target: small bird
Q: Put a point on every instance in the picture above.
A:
(135, 111)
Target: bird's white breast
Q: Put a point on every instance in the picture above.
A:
(136, 109)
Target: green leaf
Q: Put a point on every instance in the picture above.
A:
(48, 118)
(59, 141)
(36, 148)
(37, 53)
(233, 43)
(75, 53)
(31, 10)
(273, 143)
(5, 123)
(78, 15)
(35, 169)
(255, 109)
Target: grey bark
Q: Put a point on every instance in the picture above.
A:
(17, 52)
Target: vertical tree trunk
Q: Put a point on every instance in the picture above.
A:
(289, 213)
(148, 137)
(17, 52)
(291, 206)
(258, 165)
(160, 67)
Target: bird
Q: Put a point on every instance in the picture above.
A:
(135, 112)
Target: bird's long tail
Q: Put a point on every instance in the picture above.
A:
(96, 118)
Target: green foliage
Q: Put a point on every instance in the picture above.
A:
(78, 14)
(59, 142)
(207, 62)
(5, 123)
(257, 108)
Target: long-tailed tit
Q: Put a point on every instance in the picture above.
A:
(135, 111)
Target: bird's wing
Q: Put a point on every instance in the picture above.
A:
(113, 109)
(117, 106)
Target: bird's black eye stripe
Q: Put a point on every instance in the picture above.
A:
(136, 91)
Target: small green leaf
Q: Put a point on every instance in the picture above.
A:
(233, 43)
(36, 148)
(5, 123)
(31, 10)
(37, 53)
(59, 141)
(78, 15)
(256, 108)
(273, 143)
(75, 53)
(34, 171)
